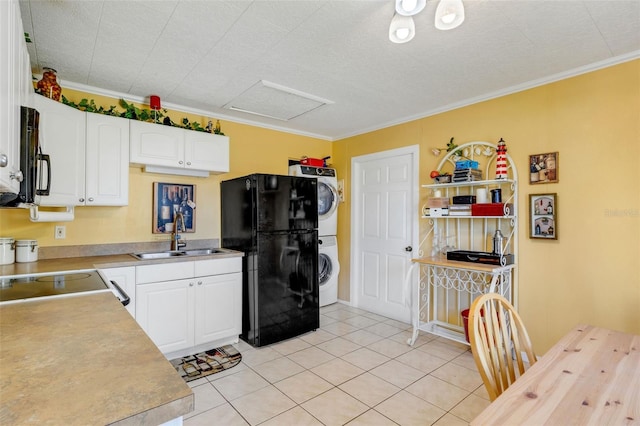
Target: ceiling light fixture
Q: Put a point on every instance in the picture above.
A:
(449, 14)
(402, 29)
(410, 7)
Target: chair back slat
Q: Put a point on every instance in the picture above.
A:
(498, 340)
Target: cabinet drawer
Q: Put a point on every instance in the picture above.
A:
(164, 272)
(218, 266)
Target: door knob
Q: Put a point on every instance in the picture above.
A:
(408, 248)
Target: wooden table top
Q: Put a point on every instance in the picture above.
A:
(590, 377)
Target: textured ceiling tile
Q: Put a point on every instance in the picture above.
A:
(205, 53)
(621, 35)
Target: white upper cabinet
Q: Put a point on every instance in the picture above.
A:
(206, 151)
(173, 150)
(15, 90)
(62, 137)
(156, 144)
(89, 156)
(107, 161)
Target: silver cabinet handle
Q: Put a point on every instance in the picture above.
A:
(408, 248)
(90, 199)
(180, 162)
(190, 284)
(81, 200)
(4, 161)
(188, 163)
(199, 282)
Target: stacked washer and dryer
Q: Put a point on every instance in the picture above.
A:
(328, 199)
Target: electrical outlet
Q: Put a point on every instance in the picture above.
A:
(61, 232)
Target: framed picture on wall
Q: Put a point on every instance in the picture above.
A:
(543, 168)
(171, 200)
(543, 216)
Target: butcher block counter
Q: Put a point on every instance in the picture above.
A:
(83, 360)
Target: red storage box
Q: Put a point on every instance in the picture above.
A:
(314, 162)
(490, 209)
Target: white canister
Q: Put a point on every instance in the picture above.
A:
(26, 250)
(7, 251)
(481, 196)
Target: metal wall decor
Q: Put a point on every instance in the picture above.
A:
(543, 216)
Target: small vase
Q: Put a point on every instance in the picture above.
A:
(48, 86)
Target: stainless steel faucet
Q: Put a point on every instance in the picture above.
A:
(176, 242)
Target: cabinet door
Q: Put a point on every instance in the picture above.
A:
(11, 45)
(62, 136)
(206, 151)
(107, 161)
(164, 310)
(125, 277)
(218, 309)
(155, 144)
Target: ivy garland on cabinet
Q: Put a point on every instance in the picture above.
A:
(142, 114)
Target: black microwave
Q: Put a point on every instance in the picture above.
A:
(34, 165)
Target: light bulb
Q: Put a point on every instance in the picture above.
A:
(449, 14)
(410, 7)
(448, 18)
(402, 33)
(402, 29)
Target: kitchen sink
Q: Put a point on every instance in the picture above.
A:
(202, 252)
(178, 253)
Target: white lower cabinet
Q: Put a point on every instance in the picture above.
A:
(218, 307)
(125, 277)
(165, 312)
(186, 313)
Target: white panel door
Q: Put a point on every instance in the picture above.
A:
(383, 230)
(165, 312)
(156, 144)
(204, 151)
(125, 277)
(218, 311)
(10, 46)
(62, 134)
(107, 162)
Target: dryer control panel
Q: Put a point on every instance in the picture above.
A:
(312, 171)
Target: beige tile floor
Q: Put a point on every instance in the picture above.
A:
(357, 369)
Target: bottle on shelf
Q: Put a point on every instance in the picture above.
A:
(175, 201)
(165, 214)
(186, 210)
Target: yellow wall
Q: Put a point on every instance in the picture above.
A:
(252, 150)
(590, 274)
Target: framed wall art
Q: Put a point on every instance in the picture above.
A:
(169, 200)
(543, 168)
(543, 216)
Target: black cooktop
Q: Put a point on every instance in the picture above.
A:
(27, 287)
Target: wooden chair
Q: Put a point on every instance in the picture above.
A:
(498, 340)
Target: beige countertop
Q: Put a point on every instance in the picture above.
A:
(97, 262)
(83, 360)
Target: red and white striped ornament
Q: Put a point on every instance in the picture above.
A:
(501, 160)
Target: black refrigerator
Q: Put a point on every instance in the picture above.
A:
(273, 219)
